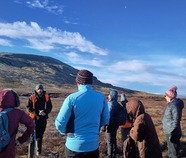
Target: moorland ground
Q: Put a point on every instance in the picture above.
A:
(54, 143)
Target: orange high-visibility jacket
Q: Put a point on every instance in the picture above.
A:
(33, 99)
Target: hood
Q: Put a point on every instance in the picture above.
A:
(123, 99)
(178, 102)
(113, 94)
(135, 108)
(7, 99)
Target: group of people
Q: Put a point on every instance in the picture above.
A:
(84, 113)
(87, 112)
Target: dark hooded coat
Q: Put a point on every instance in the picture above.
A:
(9, 99)
(143, 131)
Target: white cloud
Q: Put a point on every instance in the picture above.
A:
(4, 42)
(143, 72)
(130, 65)
(44, 4)
(70, 22)
(48, 39)
(77, 59)
(181, 62)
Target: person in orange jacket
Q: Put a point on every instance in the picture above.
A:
(39, 106)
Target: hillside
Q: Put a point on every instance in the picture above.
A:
(20, 70)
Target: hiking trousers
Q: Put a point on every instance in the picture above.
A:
(111, 133)
(173, 149)
(124, 135)
(35, 145)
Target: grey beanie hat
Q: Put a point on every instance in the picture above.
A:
(39, 86)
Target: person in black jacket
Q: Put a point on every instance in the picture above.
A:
(111, 129)
(171, 122)
(39, 106)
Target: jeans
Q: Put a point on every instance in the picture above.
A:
(173, 149)
(72, 154)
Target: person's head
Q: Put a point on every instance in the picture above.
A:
(39, 89)
(171, 94)
(123, 98)
(113, 95)
(84, 77)
(9, 98)
(134, 109)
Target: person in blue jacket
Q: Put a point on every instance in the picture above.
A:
(171, 122)
(80, 118)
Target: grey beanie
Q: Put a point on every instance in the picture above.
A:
(39, 86)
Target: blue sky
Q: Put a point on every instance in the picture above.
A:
(135, 44)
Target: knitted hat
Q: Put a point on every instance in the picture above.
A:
(39, 86)
(171, 93)
(84, 77)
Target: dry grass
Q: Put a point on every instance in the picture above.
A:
(54, 143)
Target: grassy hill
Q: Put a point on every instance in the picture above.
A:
(27, 70)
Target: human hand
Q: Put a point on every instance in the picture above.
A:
(175, 136)
(103, 129)
(42, 113)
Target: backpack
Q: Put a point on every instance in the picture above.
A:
(4, 134)
(121, 115)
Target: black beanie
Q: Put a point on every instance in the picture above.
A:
(84, 77)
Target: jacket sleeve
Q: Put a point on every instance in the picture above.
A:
(63, 116)
(30, 105)
(105, 116)
(176, 117)
(137, 132)
(113, 111)
(49, 106)
(29, 124)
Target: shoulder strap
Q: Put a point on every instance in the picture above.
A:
(7, 110)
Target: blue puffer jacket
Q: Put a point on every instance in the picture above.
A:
(172, 116)
(90, 113)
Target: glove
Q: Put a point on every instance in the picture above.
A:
(175, 136)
